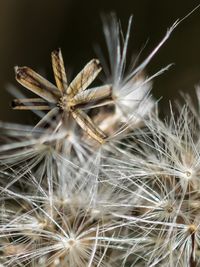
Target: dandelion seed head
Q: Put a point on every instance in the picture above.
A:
(130, 200)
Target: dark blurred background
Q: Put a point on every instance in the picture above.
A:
(31, 29)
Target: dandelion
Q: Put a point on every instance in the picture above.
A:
(119, 197)
(68, 224)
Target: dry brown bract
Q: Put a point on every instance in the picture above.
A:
(70, 99)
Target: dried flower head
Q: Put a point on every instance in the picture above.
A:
(65, 98)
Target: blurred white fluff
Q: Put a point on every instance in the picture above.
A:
(130, 88)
